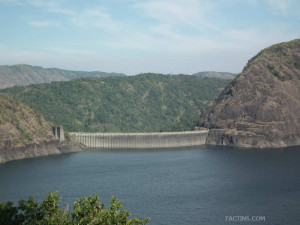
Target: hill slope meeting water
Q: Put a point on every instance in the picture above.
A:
(25, 74)
(24, 133)
(141, 103)
(260, 107)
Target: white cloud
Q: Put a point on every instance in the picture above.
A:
(279, 5)
(68, 59)
(165, 30)
(44, 23)
(50, 6)
(177, 12)
(12, 2)
(68, 51)
(98, 18)
(179, 53)
(58, 10)
(159, 41)
(41, 3)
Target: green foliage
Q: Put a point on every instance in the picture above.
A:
(8, 214)
(281, 76)
(67, 136)
(86, 211)
(271, 68)
(142, 103)
(276, 74)
(27, 136)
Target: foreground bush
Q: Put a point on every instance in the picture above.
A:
(86, 211)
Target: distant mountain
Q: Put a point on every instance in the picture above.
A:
(141, 103)
(25, 74)
(260, 107)
(221, 75)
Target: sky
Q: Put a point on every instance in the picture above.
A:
(140, 36)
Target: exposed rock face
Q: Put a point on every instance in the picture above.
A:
(261, 107)
(20, 125)
(24, 133)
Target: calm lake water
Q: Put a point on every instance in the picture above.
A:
(199, 185)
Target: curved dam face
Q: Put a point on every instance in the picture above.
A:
(141, 140)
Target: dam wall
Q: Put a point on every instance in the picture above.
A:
(141, 140)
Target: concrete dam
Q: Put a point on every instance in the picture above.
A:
(141, 140)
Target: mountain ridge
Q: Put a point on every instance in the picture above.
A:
(221, 75)
(23, 74)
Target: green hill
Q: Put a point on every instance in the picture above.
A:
(24, 74)
(142, 103)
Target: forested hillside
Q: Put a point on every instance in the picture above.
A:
(142, 103)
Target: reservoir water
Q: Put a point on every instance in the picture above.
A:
(201, 185)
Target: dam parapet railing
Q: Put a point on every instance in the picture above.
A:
(141, 140)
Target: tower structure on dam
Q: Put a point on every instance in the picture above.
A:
(141, 140)
(58, 132)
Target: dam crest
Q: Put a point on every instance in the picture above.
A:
(141, 140)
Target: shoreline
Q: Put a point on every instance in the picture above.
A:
(53, 147)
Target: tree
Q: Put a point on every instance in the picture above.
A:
(85, 211)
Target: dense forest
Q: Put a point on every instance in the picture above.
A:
(142, 103)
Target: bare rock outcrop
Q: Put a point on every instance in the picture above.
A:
(261, 107)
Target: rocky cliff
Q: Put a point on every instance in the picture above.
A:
(24, 133)
(261, 107)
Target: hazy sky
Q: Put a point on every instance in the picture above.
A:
(133, 36)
